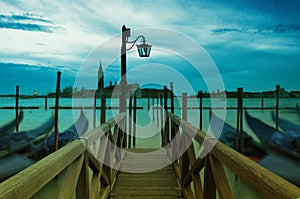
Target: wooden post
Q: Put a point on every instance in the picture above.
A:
(262, 103)
(153, 109)
(130, 122)
(172, 97)
(56, 110)
(103, 109)
(46, 102)
(157, 104)
(161, 120)
(17, 108)
(148, 104)
(237, 135)
(277, 105)
(134, 121)
(94, 109)
(241, 121)
(200, 95)
(166, 131)
(184, 106)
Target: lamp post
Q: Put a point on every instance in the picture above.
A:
(144, 50)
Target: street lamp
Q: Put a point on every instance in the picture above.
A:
(144, 50)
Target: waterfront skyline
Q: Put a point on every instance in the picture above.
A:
(255, 44)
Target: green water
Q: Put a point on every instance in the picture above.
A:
(148, 135)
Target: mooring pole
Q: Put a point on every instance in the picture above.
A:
(237, 136)
(130, 133)
(241, 121)
(172, 97)
(46, 102)
(277, 105)
(94, 109)
(200, 95)
(134, 121)
(17, 108)
(56, 110)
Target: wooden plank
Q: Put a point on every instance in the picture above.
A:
(141, 192)
(146, 188)
(68, 186)
(144, 197)
(221, 180)
(31, 180)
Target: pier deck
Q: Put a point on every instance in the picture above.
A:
(158, 184)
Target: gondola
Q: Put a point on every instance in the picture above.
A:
(272, 140)
(13, 164)
(228, 136)
(16, 142)
(11, 125)
(36, 151)
(282, 166)
(286, 125)
(73, 132)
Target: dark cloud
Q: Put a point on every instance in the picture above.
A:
(27, 22)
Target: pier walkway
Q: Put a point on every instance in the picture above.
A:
(101, 164)
(158, 184)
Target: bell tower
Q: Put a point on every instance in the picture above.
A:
(100, 77)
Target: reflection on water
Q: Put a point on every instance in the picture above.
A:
(148, 131)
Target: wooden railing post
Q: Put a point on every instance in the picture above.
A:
(185, 160)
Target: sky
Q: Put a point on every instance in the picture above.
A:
(254, 44)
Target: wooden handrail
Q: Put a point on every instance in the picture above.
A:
(268, 184)
(76, 158)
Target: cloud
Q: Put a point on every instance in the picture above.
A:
(242, 37)
(27, 22)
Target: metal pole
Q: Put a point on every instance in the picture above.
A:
(125, 34)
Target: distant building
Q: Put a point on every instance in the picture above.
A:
(34, 94)
(100, 77)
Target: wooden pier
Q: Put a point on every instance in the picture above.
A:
(101, 165)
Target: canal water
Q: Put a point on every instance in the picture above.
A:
(33, 118)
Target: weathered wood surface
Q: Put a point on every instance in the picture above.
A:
(160, 183)
(266, 183)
